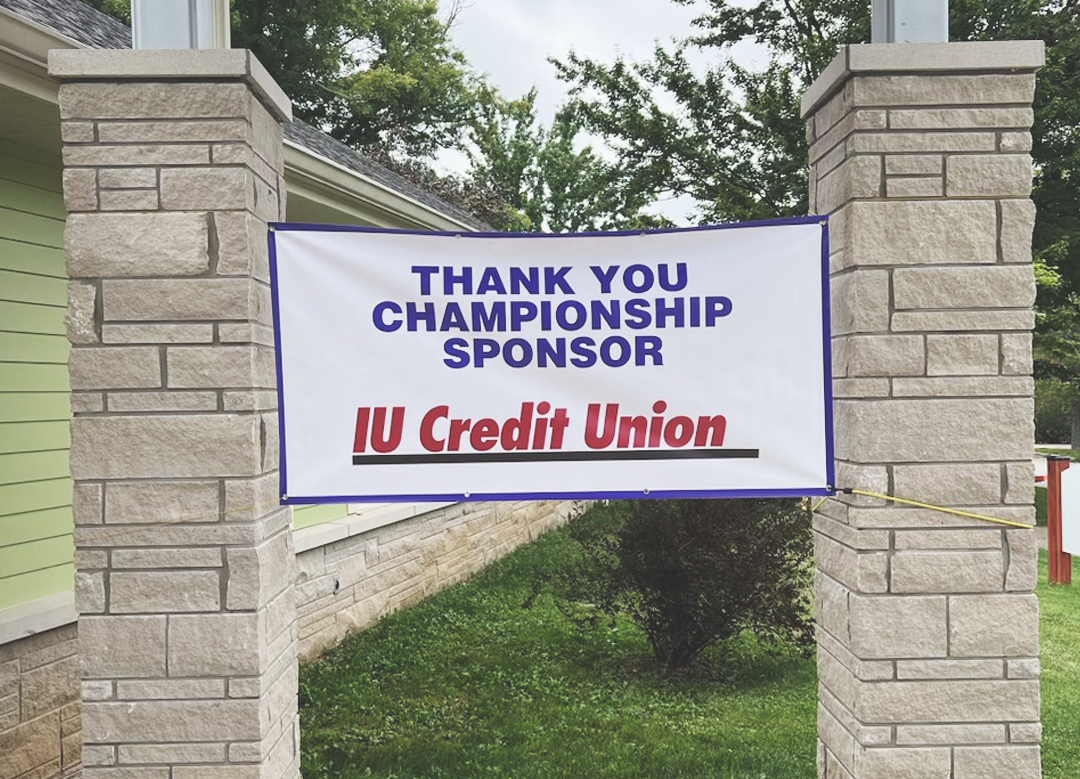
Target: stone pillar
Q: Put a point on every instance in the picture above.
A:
(185, 564)
(928, 624)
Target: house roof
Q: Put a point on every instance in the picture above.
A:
(85, 24)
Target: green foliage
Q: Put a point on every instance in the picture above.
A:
(692, 573)
(1054, 400)
(469, 684)
(119, 9)
(370, 72)
(544, 174)
(1059, 610)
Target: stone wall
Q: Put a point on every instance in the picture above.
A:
(40, 729)
(349, 584)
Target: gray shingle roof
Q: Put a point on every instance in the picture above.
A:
(91, 27)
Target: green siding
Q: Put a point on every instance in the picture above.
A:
(36, 545)
(306, 516)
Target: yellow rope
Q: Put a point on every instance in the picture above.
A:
(957, 512)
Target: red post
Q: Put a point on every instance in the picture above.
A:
(1060, 563)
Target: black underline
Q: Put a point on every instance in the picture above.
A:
(553, 456)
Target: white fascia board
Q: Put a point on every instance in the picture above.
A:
(312, 176)
(24, 51)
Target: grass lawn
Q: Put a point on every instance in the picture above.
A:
(470, 684)
(1060, 633)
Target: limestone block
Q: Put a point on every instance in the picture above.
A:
(886, 355)
(29, 745)
(891, 627)
(266, 141)
(87, 402)
(179, 299)
(255, 576)
(989, 625)
(170, 689)
(981, 287)
(164, 591)
(945, 89)
(960, 118)
(862, 572)
(174, 131)
(195, 367)
(857, 177)
(149, 100)
(247, 499)
(949, 538)
(953, 484)
(142, 772)
(137, 154)
(190, 189)
(949, 669)
(962, 355)
(1016, 353)
(1014, 141)
(191, 445)
(988, 175)
(1023, 668)
(952, 701)
(242, 245)
(895, 518)
(903, 233)
(947, 572)
(172, 753)
(157, 334)
(245, 333)
(860, 388)
(914, 187)
(153, 722)
(218, 772)
(952, 321)
(94, 756)
(214, 645)
(914, 164)
(1023, 571)
(97, 690)
(80, 318)
(995, 762)
(49, 687)
(137, 244)
(950, 734)
(899, 763)
(127, 178)
(163, 401)
(77, 132)
(922, 142)
(88, 504)
(934, 430)
(1020, 482)
(169, 502)
(121, 367)
(181, 557)
(80, 189)
(841, 742)
(89, 592)
(248, 400)
(128, 647)
(128, 200)
(1025, 732)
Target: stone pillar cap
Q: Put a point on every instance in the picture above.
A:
(171, 64)
(924, 59)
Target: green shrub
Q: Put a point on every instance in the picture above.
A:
(1053, 401)
(692, 573)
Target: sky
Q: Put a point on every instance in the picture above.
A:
(510, 40)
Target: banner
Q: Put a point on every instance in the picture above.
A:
(447, 366)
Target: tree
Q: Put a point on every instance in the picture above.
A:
(734, 142)
(553, 183)
(372, 73)
(692, 573)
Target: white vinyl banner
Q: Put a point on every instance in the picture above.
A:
(476, 366)
(1070, 509)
